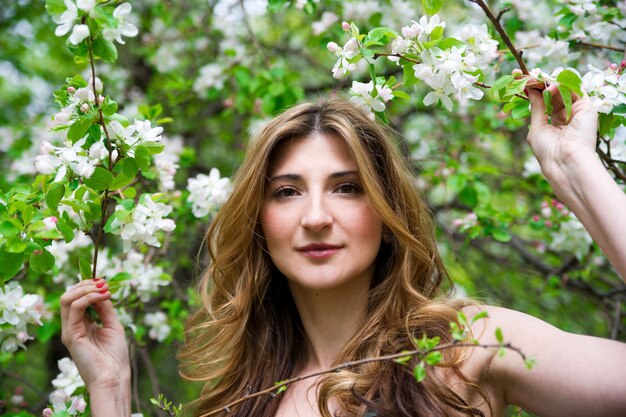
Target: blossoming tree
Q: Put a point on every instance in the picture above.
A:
(119, 118)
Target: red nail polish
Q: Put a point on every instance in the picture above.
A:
(103, 292)
(100, 285)
(96, 279)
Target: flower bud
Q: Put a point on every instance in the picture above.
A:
(623, 65)
(613, 66)
(345, 26)
(71, 90)
(46, 147)
(333, 47)
(85, 108)
(47, 412)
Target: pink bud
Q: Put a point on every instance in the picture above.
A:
(333, 47)
(345, 26)
(545, 204)
(22, 336)
(535, 218)
(548, 223)
(613, 66)
(100, 99)
(47, 412)
(71, 90)
(85, 108)
(457, 222)
(623, 63)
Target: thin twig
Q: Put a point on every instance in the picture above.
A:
(505, 36)
(417, 352)
(154, 380)
(600, 46)
(379, 54)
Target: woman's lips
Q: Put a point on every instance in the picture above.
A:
(319, 251)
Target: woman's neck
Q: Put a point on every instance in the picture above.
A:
(330, 318)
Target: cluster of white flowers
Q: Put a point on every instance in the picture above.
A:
(158, 324)
(326, 21)
(343, 66)
(368, 99)
(211, 75)
(480, 43)
(18, 310)
(143, 222)
(72, 157)
(207, 192)
(540, 49)
(66, 383)
(581, 7)
(166, 163)
(606, 89)
(68, 19)
(145, 279)
(141, 131)
(448, 73)
(571, 237)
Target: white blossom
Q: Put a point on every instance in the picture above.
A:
(123, 28)
(606, 89)
(66, 19)
(326, 21)
(68, 379)
(158, 324)
(343, 65)
(571, 237)
(364, 96)
(18, 310)
(79, 34)
(207, 192)
(144, 221)
(211, 75)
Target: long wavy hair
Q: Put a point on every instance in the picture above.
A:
(247, 333)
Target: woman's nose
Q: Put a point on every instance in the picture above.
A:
(316, 216)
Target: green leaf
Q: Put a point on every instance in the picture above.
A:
(515, 87)
(100, 179)
(401, 94)
(501, 235)
(109, 106)
(499, 337)
(66, 230)
(547, 100)
(403, 360)
(469, 196)
(143, 157)
(130, 167)
(437, 33)
(434, 358)
(566, 95)
(8, 228)
(11, 264)
(483, 314)
(85, 267)
(41, 261)
(120, 181)
(105, 49)
(54, 195)
(571, 80)
(520, 109)
(448, 43)
(79, 128)
(55, 6)
(419, 372)
(502, 82)
(432, 6)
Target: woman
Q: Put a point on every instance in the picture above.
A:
(324, 254)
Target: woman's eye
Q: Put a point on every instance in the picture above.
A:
(285, 192)
(348, 188)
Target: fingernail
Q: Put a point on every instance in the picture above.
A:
(100, 285)
(96, 279)
(103, 292)
(526, 92)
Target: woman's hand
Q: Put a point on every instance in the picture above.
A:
(560, 145)
(100, 352)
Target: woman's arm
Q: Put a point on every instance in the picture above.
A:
(574, 375)
(566, 153)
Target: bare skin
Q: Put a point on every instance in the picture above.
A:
(575, 375)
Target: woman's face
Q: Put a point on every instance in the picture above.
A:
(320, 228)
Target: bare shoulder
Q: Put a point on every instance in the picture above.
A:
(574, 374)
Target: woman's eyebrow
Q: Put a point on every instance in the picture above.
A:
(297, 177)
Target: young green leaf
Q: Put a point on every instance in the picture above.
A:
(434, 358)
(403, 360)
(547, 100)
(432, 6)
(571, 80)
(566, 95)
(54, 195)
(11, 264)
(499, 337)
(85, 267)
(419, 371)
(41, 261)
(100, 179)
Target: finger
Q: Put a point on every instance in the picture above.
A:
(75, 324)
(80, 290)
(538, 117)
(107, 314)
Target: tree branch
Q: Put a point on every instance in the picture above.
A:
(505, 36)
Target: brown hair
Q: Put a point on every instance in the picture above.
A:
(247, 334)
